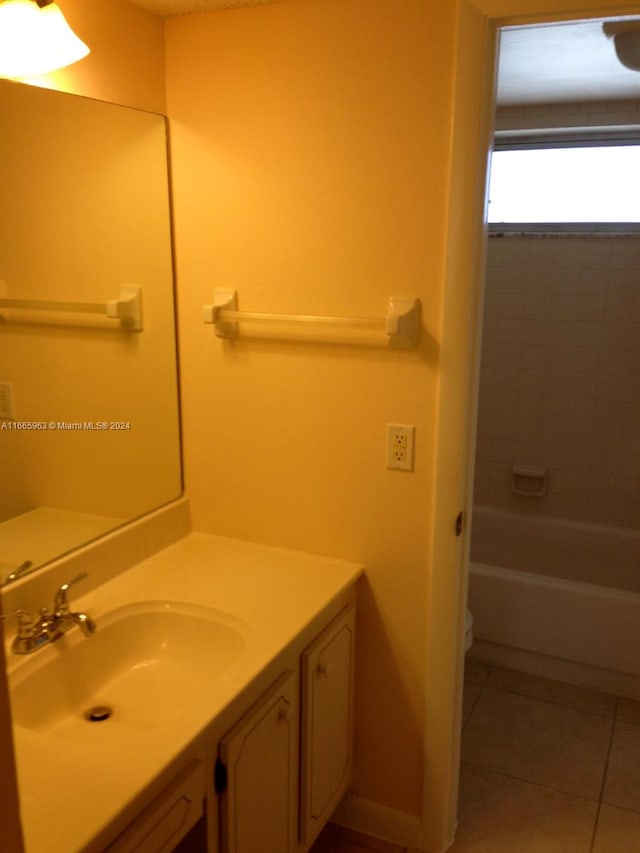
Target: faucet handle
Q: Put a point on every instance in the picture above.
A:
(26, 624)
(61, 602)
(16, 573)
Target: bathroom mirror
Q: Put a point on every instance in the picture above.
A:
(89, 427)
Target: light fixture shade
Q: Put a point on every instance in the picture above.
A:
(35, 40)
(627, 45)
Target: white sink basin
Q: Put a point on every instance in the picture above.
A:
(148, 663)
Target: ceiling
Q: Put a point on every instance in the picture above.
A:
(567, 62)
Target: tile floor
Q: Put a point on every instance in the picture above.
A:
(546, 768)
(337, 839)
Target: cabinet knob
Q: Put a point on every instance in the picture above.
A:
(325, 668)
(284, 716)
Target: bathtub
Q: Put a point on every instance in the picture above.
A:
(557, 598)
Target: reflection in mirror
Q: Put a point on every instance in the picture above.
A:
(89, 429)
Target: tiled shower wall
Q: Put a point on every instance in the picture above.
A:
(560, 375)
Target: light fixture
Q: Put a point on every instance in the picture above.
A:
(626, 41)
(35, 38)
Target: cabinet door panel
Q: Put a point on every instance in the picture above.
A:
(327, 676)
(259, 805)
(168, 818)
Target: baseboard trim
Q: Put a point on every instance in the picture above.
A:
(378, 821)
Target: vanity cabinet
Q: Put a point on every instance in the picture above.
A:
(327, 724)
(277, 765)
(283, 768)
(259, 689)
(258, 771)
(168, 818)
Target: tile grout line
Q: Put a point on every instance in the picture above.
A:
(529, 782)
(516, 692)
(604, 775)
(482, 686)
(489, 666)
(555, 702)
(362, 842)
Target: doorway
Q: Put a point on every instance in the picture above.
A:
(555, 326)
(557, 465)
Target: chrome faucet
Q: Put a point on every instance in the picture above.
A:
(34, 633)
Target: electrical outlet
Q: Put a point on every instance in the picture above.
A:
(400, 442)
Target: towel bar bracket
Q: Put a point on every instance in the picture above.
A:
(127, 308)
(223, 300)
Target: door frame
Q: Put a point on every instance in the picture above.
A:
(477, 34)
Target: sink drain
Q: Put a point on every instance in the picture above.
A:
(98, 713)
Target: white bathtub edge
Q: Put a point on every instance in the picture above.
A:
(556, 669)
(549, 582)
(568, 623)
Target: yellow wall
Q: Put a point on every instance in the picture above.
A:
(309, 145)
(126, 63)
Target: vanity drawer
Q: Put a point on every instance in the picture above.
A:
(166, 820)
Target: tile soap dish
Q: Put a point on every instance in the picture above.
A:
(529, 480)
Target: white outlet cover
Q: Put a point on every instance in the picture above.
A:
(400, 446)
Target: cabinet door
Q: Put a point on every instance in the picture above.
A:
(327, 711)
(159, 828)
(259, 804)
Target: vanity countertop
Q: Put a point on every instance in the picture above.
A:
(70, 791)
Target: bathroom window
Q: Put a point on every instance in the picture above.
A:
(562, 185)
